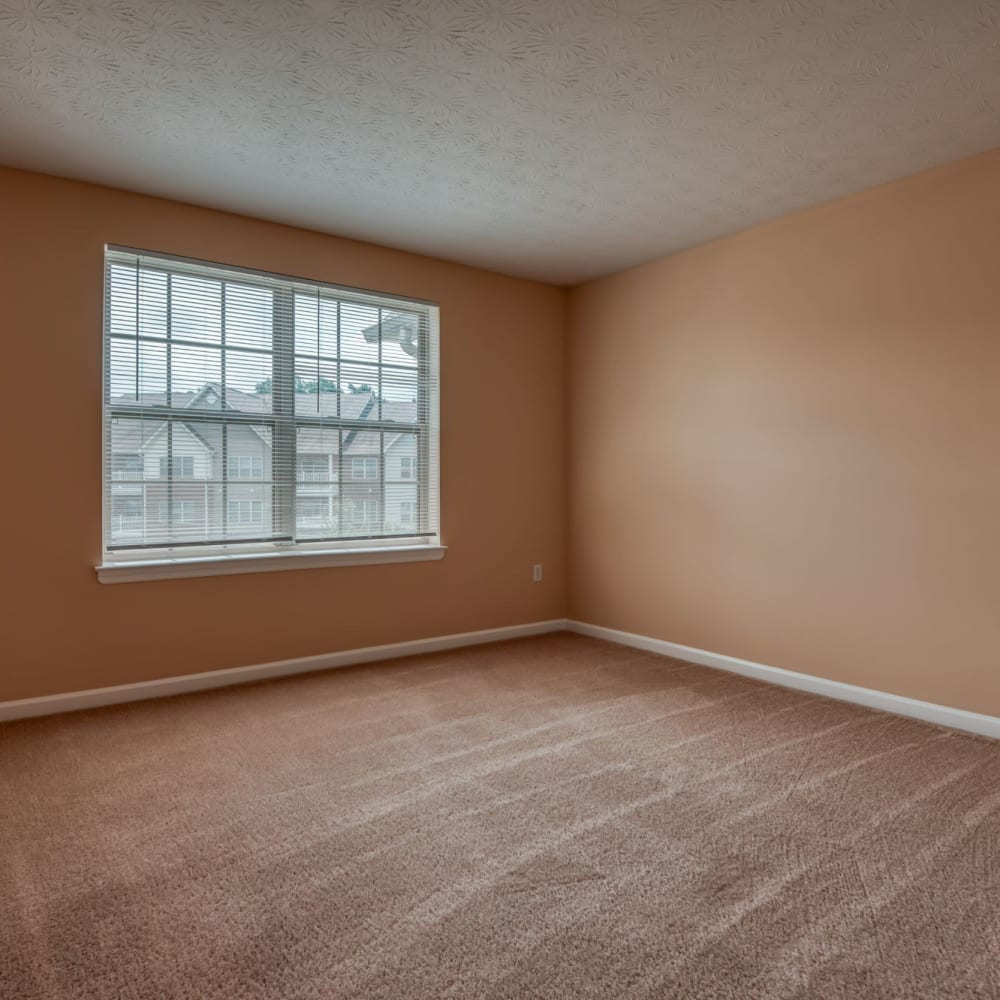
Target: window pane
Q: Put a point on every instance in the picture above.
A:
(314, 517)
(400, 337)
(399, 395)
(122, 369)
(152, 309)
(248, 486)
(360, 397)
(249, 387)
(316, 483)
(245, 516)
(401, 483)
(127, 494)
(329, 325)
(362, 486)
(314, 468)
(245, 466)
(249, 316)
(306, 323)
(152, 373)
(174, 470)
(126, 466)
(137, 366)
(316, 388)
(359, 334)
(126, 518)
(195, 308)
(122, 301)
(192, 371)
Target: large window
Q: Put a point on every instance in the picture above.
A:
(229, 392)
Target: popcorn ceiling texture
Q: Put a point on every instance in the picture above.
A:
(549, 819)
(555, 140)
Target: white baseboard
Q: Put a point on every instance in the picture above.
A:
(75, 700)
(942, 715)
(956, 718)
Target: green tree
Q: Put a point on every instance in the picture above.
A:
(303, 386)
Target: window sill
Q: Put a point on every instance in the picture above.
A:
(171, 569)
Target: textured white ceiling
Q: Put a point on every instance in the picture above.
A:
(557, 140)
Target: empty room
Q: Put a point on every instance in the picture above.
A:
(503, 500)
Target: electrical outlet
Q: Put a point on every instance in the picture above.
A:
(536, 573)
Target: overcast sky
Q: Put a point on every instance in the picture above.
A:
(196, 309)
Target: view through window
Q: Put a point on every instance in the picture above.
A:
(248, 411)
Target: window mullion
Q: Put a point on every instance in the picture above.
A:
(224, 471)
(170, 403)
(283, 397)
(423, 423)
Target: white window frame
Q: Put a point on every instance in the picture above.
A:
(365, 463)
(179, 559)
(256, 512)
(239, 461)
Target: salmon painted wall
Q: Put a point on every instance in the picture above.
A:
(785, 445)
(502, 440)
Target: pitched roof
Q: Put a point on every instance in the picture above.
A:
(131, 435)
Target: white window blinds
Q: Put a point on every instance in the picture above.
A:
(246, 411)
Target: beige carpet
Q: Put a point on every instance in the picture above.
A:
(550, 818)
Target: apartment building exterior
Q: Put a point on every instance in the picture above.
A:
(178, 482)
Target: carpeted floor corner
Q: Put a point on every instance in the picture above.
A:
(552, 818)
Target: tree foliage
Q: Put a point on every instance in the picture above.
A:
(304, 386)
